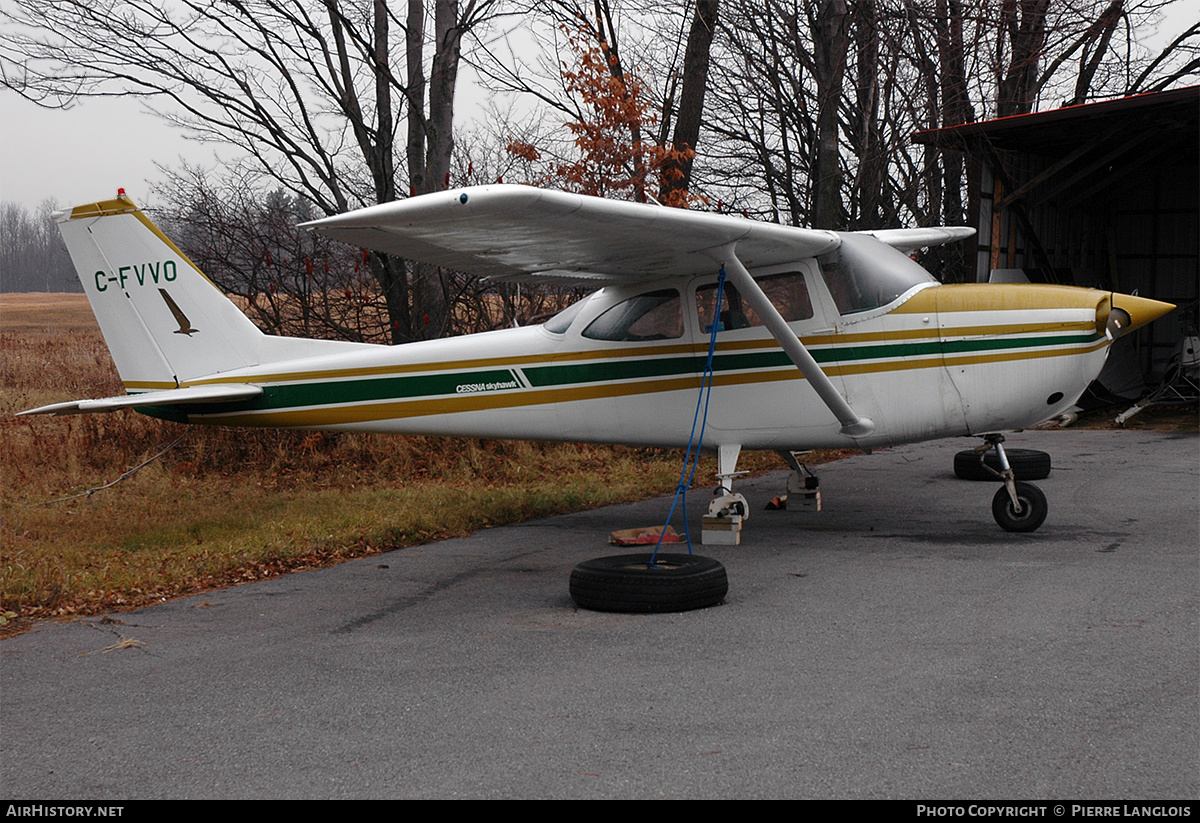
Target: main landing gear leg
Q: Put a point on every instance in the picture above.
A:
(1018, 506)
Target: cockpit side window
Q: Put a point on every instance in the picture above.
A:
(863, 274)
(656, 315)
(787, 292)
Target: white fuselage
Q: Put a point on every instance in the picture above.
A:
(936, 361)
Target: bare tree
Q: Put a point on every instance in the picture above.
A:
(289, 281)
(761, 113)
(803, 114)
(1180, 59)
(1073, 52)
(956, 102)
(32, 254)
(906, 66)
(677, 175)
(1023, 23)
(831, 45)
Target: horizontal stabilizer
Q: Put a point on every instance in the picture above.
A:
(170, 397)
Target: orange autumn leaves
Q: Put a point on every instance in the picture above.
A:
(613, 159)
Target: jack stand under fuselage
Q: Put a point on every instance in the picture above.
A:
(722, 526)
(803, 487)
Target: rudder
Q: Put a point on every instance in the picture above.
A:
(163, 320)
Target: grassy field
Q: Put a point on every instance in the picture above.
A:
(231, 505)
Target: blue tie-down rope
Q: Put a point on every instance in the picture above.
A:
(692, 456)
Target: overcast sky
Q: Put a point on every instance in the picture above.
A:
(84, 154)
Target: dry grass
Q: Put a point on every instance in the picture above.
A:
(227, 506)
(38, 312)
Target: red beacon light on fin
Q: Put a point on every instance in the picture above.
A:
(120, 192)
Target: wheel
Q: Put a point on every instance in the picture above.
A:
(1033, 508)
(1027, 464)
(626, 583)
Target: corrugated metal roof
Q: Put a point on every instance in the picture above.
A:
(1175, 114)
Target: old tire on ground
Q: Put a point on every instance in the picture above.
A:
(1027, 464)
(1033, 508)
(626, 583)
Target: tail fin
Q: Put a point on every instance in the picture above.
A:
(163, 320)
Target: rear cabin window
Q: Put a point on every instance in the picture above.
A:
(656, 315)
(787, 292)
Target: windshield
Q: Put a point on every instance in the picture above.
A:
(559, 323)
(863, 273)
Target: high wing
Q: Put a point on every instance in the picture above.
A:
(907, 241)
(169, 397)
(508, 232)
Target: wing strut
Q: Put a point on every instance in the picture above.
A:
(852, 424)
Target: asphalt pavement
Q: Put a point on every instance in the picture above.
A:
(897, 644)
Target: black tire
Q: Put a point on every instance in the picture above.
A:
(1027, 464)
(1033, 508)
(626, 583)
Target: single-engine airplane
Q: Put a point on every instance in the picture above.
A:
(824, 339)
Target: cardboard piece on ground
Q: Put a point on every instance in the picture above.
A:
(646, 535)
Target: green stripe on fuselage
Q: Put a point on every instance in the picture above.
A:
(321, 393)
(936, 347)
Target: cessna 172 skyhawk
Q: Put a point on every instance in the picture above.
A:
(825, 339)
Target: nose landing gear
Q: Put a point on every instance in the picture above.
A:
(1018, 506)
(1020, 509)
